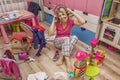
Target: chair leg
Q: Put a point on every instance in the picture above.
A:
(4, 34)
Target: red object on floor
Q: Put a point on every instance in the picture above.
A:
(39, 27)
(111, 48)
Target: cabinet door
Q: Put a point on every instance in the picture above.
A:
(118, 42)
(53, 3)
(109, 34)
(94, 7)
(60, 2)
(82, 34)
(80, 5)
(69, 4)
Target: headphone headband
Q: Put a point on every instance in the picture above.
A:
(56, 7)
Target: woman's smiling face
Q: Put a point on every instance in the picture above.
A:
(62, 15)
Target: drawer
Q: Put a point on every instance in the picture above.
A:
(83, 34)
(48, 10)
(48, 18)
(90, 26)
(89, 17)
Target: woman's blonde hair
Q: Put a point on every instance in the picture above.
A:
(58, 7)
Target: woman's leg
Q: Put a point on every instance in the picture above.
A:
(58, 44)
(67, 48)
(73, 40)
(60, 61)
(68, 64)
(66, 52)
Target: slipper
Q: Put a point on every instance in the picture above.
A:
(71, 74)
(56, 56)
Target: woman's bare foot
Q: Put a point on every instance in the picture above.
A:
(60, 61)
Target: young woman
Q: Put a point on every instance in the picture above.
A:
(62, 25)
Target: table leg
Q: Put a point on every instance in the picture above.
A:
(33, 21)
(4, 34)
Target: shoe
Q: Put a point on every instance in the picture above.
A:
(56, 56)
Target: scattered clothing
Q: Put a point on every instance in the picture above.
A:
(34, 8)
(39, 27)
(60, 76)
(38, 39)
(10, 67)
(37, 76)
(30, 59)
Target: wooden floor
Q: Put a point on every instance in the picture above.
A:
(109, 71)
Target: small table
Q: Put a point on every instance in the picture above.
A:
(92, 71)
(9, 17)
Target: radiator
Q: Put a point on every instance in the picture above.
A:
(10, 5)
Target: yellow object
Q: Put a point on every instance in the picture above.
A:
(92, 71)
(16, 26)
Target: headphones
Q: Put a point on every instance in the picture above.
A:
(59, 6)
(65, 8)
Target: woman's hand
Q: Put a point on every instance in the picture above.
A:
(69, 10)
(79, 20)
(55, 18)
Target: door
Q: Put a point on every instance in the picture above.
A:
(60, 2)
(80, 5)
(94, 7)
(54, 4)
(69, 4)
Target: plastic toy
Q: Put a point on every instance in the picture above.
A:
(22, 55)
(100, 55)
(80, 63)
(16, 26)
(94, 43)
(92, 69)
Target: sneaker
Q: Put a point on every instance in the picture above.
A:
(56, 56)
